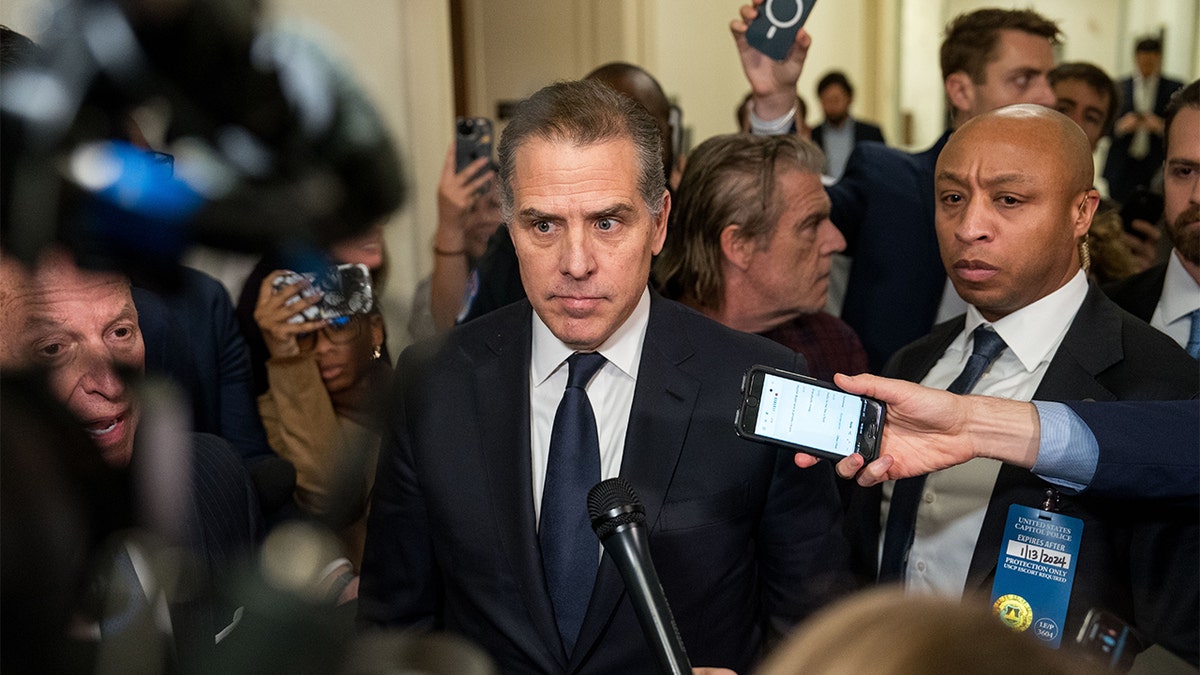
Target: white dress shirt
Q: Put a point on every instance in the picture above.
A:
(1180, 297)
(610, 392)
(955, 500)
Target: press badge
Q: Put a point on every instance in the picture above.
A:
(1035, 571)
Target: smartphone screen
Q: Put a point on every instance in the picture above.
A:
(802, 414)
(808, 415)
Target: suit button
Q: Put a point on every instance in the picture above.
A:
(920, 565)
(930, 498)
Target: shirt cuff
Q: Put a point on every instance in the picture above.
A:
(776, 127)
(1067, 450)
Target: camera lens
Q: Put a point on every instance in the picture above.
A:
(465, 127)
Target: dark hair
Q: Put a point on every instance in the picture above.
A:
(971, 38)
(584, 112)
(16, 49)
(728, 179)
(1148, 44)
(1188, 97)
(835, 77)
(1093, 77)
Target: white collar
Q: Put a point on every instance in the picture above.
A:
(1034, 332)
(623, 348)
(1180, 293)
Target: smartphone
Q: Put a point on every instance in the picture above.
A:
(808, 415)
(1108, 639)
(344, 290)
(774, 31)
(1143, 204)
(472, 140)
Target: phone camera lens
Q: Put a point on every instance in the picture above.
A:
(465, 127)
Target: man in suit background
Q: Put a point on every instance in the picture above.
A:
(840, 132)
(468, 519)
(1014, 198)
(1136, 154)
(1167, 296)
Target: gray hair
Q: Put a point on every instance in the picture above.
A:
(729, 179)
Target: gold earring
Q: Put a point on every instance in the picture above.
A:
(377, 353)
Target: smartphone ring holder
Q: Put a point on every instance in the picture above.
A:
(776, 23)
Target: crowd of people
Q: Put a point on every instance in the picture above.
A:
(262, 487)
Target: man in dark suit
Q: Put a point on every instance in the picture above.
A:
(1136, 153)
(1014, 199)
(840, 133)
(883, 204)
(469, 516)
(1167, 296)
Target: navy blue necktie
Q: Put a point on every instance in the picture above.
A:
(906, 495)
(570, 552)
(1193, 343)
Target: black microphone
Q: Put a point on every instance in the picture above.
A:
(619, 520)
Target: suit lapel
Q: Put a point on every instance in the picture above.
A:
(662, 404)
(1092, 344)
(502, 398)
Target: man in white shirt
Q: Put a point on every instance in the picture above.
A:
(1136, 153)
(1014, 196)
(1168, 295)
(470, 479)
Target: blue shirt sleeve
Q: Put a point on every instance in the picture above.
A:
(1068, 451)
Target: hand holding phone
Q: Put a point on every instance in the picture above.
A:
(808, 415)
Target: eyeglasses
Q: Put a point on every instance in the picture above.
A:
(339, 331)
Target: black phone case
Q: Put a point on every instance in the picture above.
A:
(739, 418)
(774, 31)
(472, 140)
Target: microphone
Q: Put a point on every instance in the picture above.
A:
(619, 520)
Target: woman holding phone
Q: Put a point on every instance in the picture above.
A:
(324, 381)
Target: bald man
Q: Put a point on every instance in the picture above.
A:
(1014, 196)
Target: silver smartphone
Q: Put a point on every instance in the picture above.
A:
(808, 415)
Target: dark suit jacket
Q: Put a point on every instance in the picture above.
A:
(1137, 560)
(884, 207)
(1123, 172)
(740, 538)
(1147, 450)
(192, 336)
(863, 131)
(220, 522)
(1139, 293)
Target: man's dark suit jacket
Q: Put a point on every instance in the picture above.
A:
(191, 335)
(1137, 560)
(863, 131)
(1124, 173)
(1147, 449)
(743, 542)
(1139, 293)
(884, 207)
